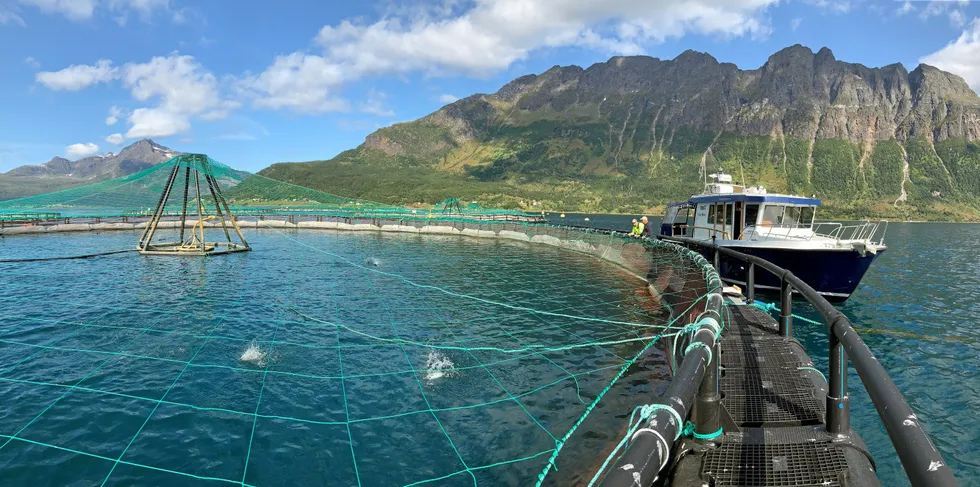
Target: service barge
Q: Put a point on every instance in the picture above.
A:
(830, 257)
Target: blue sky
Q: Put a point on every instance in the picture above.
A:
(253, 83)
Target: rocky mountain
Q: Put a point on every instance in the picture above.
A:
(134, 158)
(635, 132)
(60, 173)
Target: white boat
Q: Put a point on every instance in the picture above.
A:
(830, 257)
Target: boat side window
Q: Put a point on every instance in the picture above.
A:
(711, 214)
(791, 217)
(772, 215)
(751, 214)
(729, 214)
(806, 216)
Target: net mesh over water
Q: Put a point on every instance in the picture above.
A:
(139, 193)
(329, 358)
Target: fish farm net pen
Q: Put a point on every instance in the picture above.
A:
(403, 330)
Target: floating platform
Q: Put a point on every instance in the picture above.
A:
(775, 430)
(208, 248)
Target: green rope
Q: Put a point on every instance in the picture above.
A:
(770, 307)
(689, 430)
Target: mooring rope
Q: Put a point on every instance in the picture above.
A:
(70, 257)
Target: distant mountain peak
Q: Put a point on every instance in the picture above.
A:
(135, 157)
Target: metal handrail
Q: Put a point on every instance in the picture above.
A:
(922, 462)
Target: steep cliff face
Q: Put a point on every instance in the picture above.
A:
(798, 92)
(803, 122)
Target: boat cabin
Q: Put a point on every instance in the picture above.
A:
(728, 211)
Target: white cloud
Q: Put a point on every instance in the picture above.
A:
(78, 76)
(961, 56)
(952, 9)
(10, 17)
(30, 61)
(833, 6)
(72, 9)
(301, 82)
(79, 151)
(795, 24)
(957, 18)
(447, 98)
(177, 86)
(115, 139)
(184, 90)
(486, 36)
(142, 7)
(905, 8)
(375, 104)
(82, 10)
(113, 117)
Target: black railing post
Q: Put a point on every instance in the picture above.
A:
(750, 282)
(786, 305)
(838, 402)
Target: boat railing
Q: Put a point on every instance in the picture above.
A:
(838, 232)
(922, 462)
(863, 231)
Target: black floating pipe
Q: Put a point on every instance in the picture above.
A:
(650, 446)
(922, 462)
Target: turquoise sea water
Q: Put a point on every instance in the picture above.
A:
(918, 309)
(308, 361)
(89, 348)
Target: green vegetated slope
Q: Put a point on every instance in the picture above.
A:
(635, 133)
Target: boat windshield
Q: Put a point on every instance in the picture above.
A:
(788, 216)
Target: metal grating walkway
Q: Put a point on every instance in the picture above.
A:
(776, 402)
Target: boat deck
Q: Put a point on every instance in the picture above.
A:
(774, 429)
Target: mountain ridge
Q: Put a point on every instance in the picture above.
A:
(634, 132)
(60, 173)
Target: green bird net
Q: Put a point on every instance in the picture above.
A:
(247, 193)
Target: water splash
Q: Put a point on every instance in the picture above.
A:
(253, 354)
(438, 365)
(373, 261)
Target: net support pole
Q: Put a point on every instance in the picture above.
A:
(183, 212)
(200, 206)
(231, 218)
(155, 218)
(217, 205)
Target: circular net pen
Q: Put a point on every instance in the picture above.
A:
(345, 359)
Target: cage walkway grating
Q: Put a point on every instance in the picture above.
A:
(762, 465)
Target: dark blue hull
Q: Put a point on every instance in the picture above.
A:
(833, 273)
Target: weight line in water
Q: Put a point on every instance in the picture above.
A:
(70, 257)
